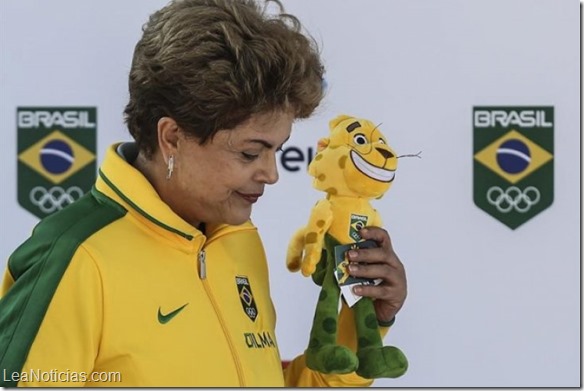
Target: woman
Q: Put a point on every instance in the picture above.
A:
(157, 277)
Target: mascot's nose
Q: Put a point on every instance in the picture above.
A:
(385, 153)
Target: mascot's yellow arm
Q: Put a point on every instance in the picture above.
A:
(306, 244)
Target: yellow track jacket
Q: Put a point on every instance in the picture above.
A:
(117, 290)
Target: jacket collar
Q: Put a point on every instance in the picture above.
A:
(123, 183)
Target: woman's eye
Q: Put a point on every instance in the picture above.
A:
(249, 156)
(360, 139)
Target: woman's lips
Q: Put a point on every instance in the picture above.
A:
(251, 198)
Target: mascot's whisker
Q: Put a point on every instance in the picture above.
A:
(412, 155)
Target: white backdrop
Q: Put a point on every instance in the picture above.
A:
(488, 306)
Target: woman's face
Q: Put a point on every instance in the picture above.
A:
(219, 182)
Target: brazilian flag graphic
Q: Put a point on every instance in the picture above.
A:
(56, 156)
(513, 162)
(357, 223)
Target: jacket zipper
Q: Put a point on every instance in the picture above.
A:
(203, 276)
(202, 265)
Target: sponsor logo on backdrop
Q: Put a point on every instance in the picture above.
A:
(56, 156)
(295, 159)
(513, 162)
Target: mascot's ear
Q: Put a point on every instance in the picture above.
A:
(340, 118)
(322, 144)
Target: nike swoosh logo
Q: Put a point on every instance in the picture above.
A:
(165, 318)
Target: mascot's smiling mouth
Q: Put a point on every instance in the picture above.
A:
(377, 173)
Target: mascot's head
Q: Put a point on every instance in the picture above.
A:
(355, 160)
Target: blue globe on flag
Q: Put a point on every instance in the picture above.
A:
(513, 156)
(57, 157)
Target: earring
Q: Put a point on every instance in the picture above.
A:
(170, 167)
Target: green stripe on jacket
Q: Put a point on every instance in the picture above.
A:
(37, 267)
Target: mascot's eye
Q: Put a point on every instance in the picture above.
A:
(360, 139)
(381, 141)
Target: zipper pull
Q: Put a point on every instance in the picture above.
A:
(202, 265)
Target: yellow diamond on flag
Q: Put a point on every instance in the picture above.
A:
(246, 296)
(513, 156)
(56, 157)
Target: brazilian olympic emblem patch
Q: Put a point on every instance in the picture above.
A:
(357, 223)
(56, 156)
(246, 297)
(513, 162)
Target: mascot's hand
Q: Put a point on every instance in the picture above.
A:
(303, 256)
(295, 249)
(312, 254)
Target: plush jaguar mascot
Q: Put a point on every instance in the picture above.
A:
(353, 165)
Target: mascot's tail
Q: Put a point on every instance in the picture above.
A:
(295, 249)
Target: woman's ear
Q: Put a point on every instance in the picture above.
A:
(168, 137)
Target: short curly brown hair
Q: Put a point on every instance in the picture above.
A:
(211, 64)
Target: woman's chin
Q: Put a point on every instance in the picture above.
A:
(238, 218)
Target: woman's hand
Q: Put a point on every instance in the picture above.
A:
(380, 262)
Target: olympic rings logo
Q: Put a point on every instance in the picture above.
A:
(56, 198)
(513, 198)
